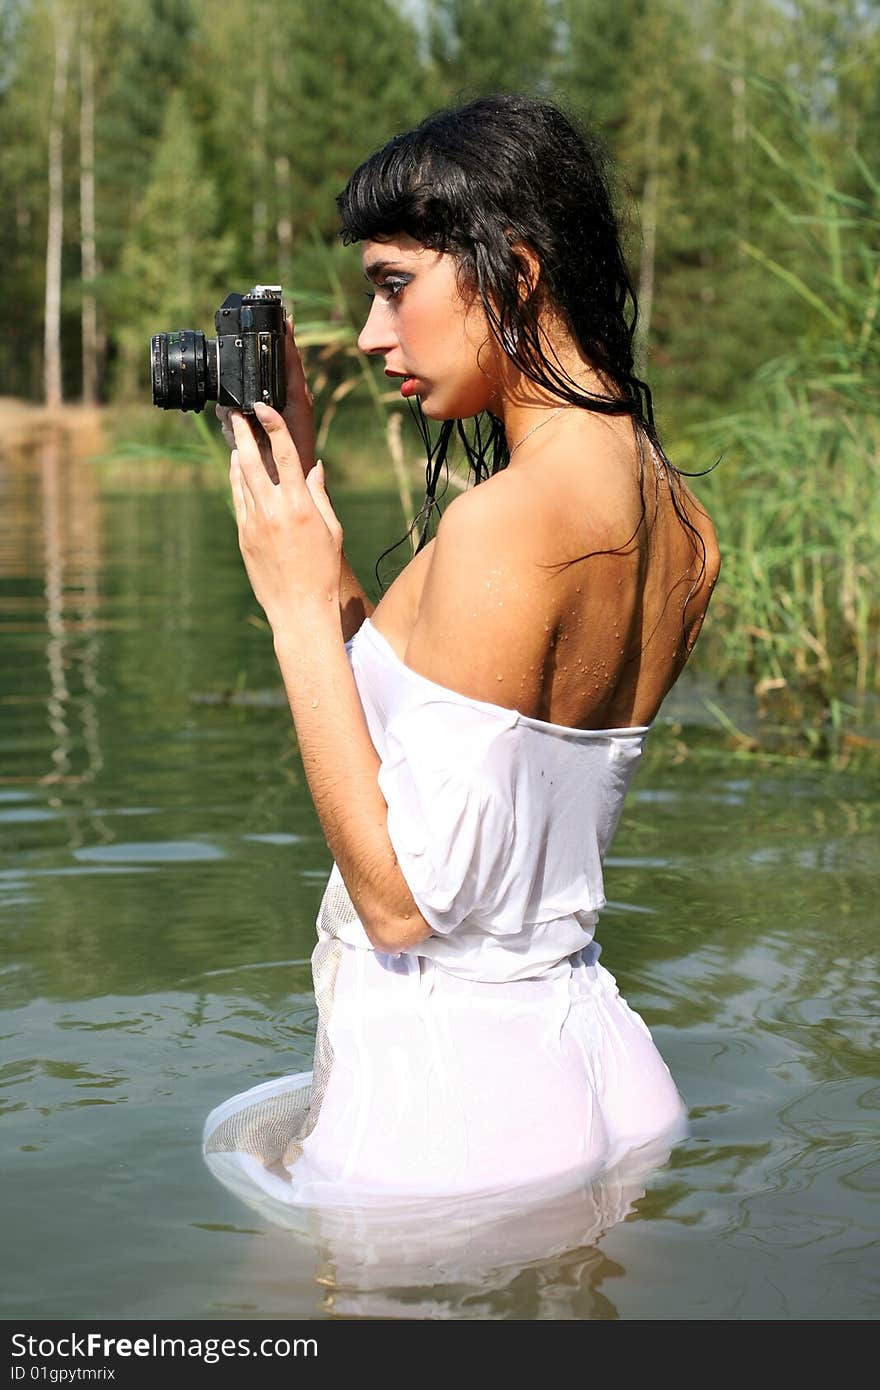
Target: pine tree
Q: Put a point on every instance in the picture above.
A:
(176, 263)
(485, 46)
(289, 121)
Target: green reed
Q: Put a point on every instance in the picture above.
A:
(796, 498)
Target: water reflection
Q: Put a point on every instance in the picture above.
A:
(72, 560)
(532, 1255)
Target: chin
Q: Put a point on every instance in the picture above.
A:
(434, 407)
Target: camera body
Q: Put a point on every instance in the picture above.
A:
(242, 365)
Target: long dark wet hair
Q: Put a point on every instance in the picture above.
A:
(480, 181)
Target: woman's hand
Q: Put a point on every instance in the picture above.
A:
(289, 535)
(298, 414)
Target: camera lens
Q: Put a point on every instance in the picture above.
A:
(179, 367)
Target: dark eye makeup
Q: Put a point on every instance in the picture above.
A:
(391, 285)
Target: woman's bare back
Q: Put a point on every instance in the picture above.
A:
(554, 595)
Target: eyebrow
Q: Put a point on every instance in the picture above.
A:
(377, 268)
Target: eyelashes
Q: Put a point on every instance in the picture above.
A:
(391, 287)
(396, 284)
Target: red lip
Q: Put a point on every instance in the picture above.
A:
(410, 384)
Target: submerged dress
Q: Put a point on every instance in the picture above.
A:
(497, 1056)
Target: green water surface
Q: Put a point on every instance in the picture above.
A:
(160, 873)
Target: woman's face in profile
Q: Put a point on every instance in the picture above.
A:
(433, 338)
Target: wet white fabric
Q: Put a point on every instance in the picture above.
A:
(499, 822)
(498, 1054)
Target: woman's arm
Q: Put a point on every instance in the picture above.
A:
(342, 769)
(354, 606)
(291, 543)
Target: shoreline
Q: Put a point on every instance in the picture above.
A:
(22, 420)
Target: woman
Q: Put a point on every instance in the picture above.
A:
(468, 742)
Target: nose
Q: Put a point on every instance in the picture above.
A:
(376, 334)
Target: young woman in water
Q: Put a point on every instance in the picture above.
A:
(469, 740)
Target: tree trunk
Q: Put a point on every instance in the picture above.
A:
(55, 230)
(649, 235)
(89, 258)
(260, 118)
(284, 222)
(739, 130)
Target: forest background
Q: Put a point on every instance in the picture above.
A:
(155, 154)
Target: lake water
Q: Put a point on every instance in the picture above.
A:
(160, 876)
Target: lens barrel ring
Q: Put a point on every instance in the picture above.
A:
(179, 369)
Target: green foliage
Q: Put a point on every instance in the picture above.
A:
(280, 105)
(747, 133)
(286, 122)
(483, 46)
(798, 495)
(175, 262)
(24, 124)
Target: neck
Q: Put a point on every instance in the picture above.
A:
(523, 404)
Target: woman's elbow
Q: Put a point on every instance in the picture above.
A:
(395, 934)
(389, 912)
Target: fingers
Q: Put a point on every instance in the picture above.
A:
(284, 451)
(256, 484)
(298, 412)
(223, 413)
(237, 486)
(317, 487)
(296, 377)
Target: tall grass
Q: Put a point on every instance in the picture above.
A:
(797, 497)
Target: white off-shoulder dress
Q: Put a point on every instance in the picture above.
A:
(498, 1054)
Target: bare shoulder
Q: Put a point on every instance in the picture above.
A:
(552, 570)
(487, 609)
(706, 561)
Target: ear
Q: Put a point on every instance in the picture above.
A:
(529, 266)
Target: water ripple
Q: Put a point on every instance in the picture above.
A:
(151, 851)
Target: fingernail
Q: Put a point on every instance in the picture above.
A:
(261, 411)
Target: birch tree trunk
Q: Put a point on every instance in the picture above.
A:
(55, 230)
(88, 251)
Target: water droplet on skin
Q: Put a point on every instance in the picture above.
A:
(499, 678)
(314, 704)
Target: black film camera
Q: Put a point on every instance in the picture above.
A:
(243, 364)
